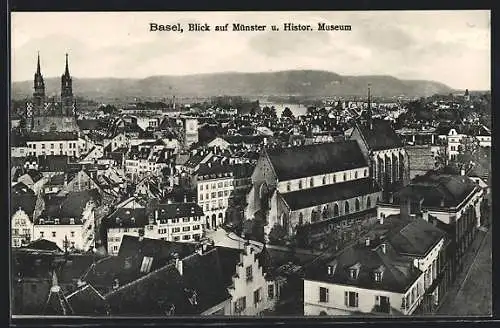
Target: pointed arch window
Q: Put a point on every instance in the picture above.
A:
(356, 204)
(346, 207)
(368, 202)
(336, 210)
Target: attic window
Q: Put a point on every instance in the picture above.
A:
(127, 212)
(56, 221)
(353, 273)
(146, 264)
(377, 276)
(72, 221)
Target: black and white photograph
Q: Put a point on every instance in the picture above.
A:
(332, 164)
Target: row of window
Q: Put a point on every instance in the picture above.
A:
(216, 185)
(70, 145)
(57, 221)
(54, 234)
(67, 153)
(324, 180)
(218, 194)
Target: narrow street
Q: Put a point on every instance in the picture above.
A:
(471, 294)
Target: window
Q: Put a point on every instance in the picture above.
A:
(324, 179)
(219, 185)
(345, 176)
(51, 146)
(311, 182)
(377, 276)
(346, 207)
(353, 273)
(71, 221)
(115, 248)
(186, 228)
(270, 292)
(176, 229)
(240, 304)
(288, 186)
(300, 184)
(41, 234)
(219, 194)
(351, 299)
(334, 178)
(256, 296)
(226, 193)
(323, 295)
(72, 233)
(201, 187)
(176, 238)
(366, 173)
(201, 196)
(249, 273)
(214, 195)
(43, 146)
(185, 219)
(368, 202)
(356, 175)
(196, 227)
(53, 233)
(186, 237)
(356, 204)
(60, 145)
(146, 264)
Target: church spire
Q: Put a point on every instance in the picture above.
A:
(66, 71)
(38, 70)
(370, 119)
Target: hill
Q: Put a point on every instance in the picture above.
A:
(308, 83)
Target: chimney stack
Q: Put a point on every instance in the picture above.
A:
(178, 265)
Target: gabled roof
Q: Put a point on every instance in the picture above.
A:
(178, 210)
(305, 161)
(44, 244)
(329, 193)
(52, 136)
(126, 217)
(381, 136)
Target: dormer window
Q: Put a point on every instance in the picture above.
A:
(353, 273)
(41, 221)
(56, 221)
(377, 276)
(72, 221)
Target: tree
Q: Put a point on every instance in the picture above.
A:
(277, 234)
(287, 113)
(269, 111)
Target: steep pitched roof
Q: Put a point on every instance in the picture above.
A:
(399, 272)
(86, 300)
(381, 136)
(435, 187)
(317, 159)
(326, 194)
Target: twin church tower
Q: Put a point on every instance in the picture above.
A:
(49, 115)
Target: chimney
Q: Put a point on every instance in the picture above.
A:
(367, 242)
(178, 265)
(425, 215)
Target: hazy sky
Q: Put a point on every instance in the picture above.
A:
(452, 47)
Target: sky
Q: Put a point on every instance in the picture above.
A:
(452, 47)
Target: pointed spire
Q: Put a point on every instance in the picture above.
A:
(66, 71)
(38, 70)
(370, 107)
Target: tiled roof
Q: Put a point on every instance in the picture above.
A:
(44, 244)
(126, 217)
(68, 206)
(420, 158)
(417, 237)
(434, 188)
(382, 136)
(398, 275)
(53, 163)
(329, 193)
(52, 136)
(310, 160)
(87, 301)
(88, 124)
(178, 210)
